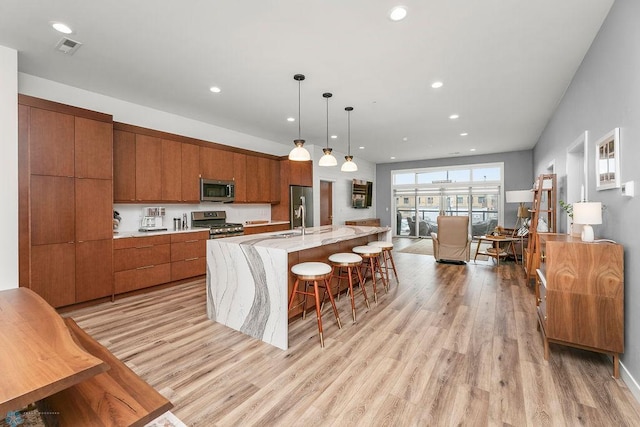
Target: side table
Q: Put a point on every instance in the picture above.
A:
(501, 247)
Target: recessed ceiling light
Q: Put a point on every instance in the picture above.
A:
(472, 149)
(361, 147)
(214, 89)
(393, 157)
(464, 134)
(398, 13)
(291, 119)
(334, 136)
(437, 85)
(454, 116)
(405, 139)
(64, 29)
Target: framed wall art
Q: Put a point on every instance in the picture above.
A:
(608, 161)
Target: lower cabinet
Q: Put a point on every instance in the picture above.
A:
(142, 262)
(367, 222)
(188, 254)
(268, 228)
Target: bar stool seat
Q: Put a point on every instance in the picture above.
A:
(313, 272)
(351, 262)
(371, 261)
(387, 256)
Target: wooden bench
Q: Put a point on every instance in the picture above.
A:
(117, 397)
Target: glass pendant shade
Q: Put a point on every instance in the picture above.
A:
(327, 159)
(349, 165)
(299, 153)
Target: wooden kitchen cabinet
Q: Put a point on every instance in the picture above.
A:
(124, 166)
(188, 254)
(94, 269)
(51, 142)
(94, 209)
(580, 295)
(240, 177)
(259, 169)
(275, 180)
(190, 181)
(93, 149)
(267, 228)
(216, 164)
(66, 192)
(171, 170)
(52, 210)
(300, 173)
(141, 262)
(148, 168)
(53, 270)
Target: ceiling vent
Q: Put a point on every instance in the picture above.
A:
(68, 46)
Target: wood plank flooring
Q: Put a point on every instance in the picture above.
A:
(448, 345)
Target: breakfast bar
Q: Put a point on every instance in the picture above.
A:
(249, 280)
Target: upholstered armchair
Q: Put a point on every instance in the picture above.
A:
(452, 242)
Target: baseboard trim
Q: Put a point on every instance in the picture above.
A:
(630, 382)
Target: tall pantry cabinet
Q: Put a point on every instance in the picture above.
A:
(65, 201)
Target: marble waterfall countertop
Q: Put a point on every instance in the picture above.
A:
(248, 277)
(294, 240)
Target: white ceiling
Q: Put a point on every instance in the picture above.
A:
(505, 65)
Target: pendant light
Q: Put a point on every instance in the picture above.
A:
(299, 153)
(327, 159)
(349, 165)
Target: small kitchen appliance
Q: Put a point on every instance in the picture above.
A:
(216, 222)
(152, 219)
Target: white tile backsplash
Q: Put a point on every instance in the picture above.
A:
(131, 214)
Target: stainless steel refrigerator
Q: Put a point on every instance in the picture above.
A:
(295, 193)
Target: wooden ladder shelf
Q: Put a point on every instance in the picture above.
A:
(544, 208)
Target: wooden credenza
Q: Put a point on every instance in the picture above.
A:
(580, 295)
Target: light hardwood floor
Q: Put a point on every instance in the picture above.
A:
(449, 345)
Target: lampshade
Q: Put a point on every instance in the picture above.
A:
(327, 159)
(299, 153)
(519, 196)
(587, 213)
(349, 165)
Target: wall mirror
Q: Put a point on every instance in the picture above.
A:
(608, 161)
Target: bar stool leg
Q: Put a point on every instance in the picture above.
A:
(333, 304)
(393, 265)
(385, 282)
(373, 278)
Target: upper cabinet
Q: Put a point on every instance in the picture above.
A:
(300, 173)
(51, 143)
(216, 164)
(190, 173)
(148, 168)
(124, 166)
(93, 149)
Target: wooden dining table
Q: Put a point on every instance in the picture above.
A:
(38, 356)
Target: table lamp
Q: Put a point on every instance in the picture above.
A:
(587, 214)
(522, 197)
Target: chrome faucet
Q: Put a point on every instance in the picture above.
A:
(300, 213)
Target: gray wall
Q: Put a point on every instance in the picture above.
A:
(605, 94)
(518, 175)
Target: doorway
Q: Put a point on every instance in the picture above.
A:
(326, 203)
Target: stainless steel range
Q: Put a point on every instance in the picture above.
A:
(216, 222)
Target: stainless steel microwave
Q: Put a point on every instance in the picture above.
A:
(216, 191)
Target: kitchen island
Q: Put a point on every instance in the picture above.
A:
(249, 280)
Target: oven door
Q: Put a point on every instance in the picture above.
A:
(216, 191)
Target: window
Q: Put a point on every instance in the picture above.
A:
(472, 190)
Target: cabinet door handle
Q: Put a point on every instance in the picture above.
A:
(145, 267)
(144, 247)
(191, 241)
(192, 259)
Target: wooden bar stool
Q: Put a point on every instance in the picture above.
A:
(387, 257)
(371, 261)
(350, 262)
(313, 272)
